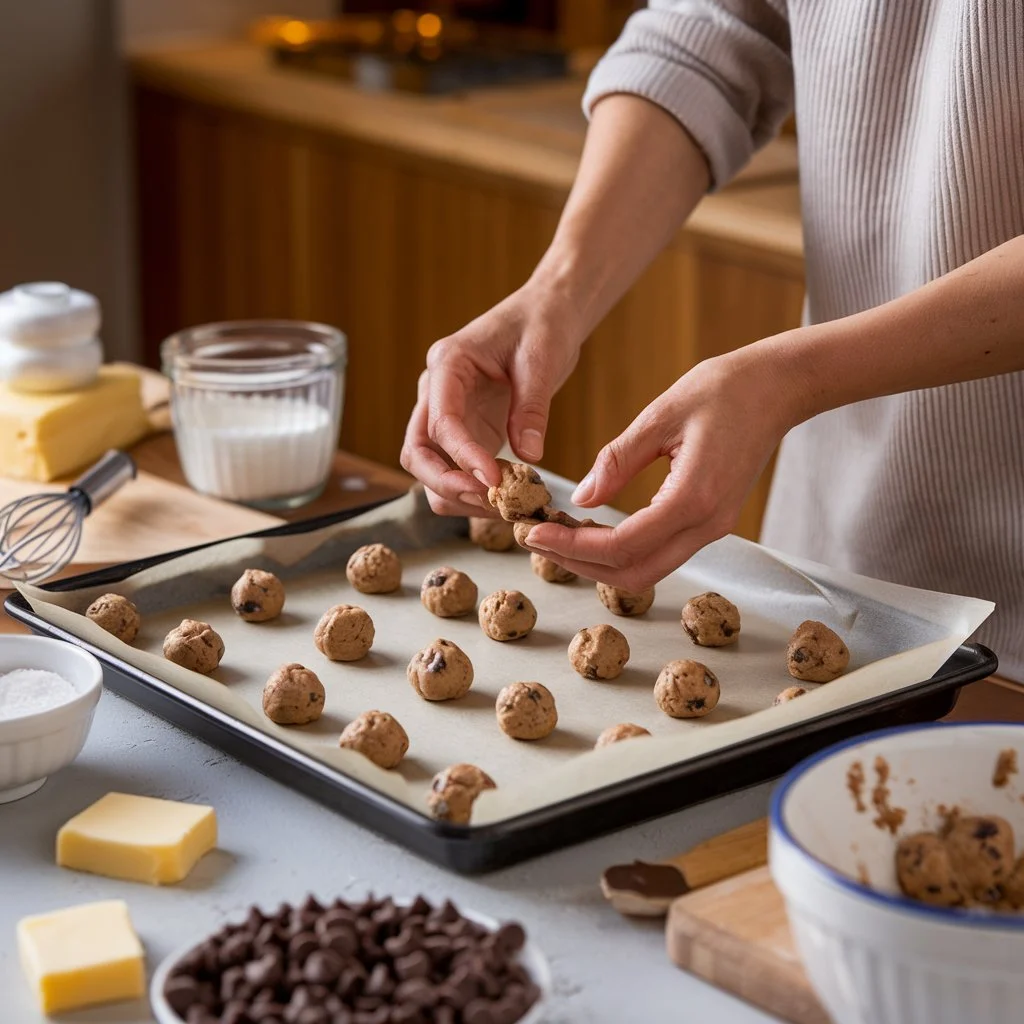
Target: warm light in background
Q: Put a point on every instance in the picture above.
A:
(428, 26)
(295, 33)
(404, 21)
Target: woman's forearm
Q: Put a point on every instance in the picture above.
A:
(640, 176)
(962, 326)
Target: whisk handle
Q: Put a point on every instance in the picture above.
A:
(108, 475)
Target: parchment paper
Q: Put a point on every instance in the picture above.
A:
(897, 637)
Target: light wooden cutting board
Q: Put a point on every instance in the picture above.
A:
(735, 935)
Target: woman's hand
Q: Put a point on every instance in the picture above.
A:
(718, 425)
(493, 379)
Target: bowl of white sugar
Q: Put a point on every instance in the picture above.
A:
(48, 693)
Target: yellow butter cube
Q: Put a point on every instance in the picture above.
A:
(82, 956)
(43, 437)
(138, 838)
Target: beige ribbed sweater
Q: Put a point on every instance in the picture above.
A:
(911, 141)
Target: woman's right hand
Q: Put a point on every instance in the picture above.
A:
(494, 379)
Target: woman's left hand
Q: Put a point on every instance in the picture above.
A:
(718, 425)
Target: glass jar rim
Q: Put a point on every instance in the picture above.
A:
(178, 350)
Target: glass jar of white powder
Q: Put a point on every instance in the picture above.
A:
(256, 406)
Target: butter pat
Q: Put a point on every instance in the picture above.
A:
(43, 437)
(137, 838)
(82, 956)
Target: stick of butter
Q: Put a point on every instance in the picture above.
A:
(82, 956)
(43, 437)
(137, 838)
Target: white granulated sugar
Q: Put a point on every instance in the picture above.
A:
(27, 691)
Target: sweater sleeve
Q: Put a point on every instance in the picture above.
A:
(722, 68)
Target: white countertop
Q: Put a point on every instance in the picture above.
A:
(276, 845)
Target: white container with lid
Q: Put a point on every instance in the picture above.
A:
(48, 337)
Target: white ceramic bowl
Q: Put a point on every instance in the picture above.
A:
(873, 956)
(33, 747)
(530, 957)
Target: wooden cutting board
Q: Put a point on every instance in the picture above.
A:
(735, 935)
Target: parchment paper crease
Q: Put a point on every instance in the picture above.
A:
(898, 636)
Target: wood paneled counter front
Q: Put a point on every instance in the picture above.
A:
(267, 192)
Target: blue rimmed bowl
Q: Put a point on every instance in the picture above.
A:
(873, 956)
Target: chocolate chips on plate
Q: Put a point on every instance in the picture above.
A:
(373, 962)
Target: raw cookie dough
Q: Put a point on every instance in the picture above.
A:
(441, 671)
(599, 652)
(788, 694)
(981, 853)
(549, 514)
(526, 711)
(194, 645)
(521, 493)
(344, 633)
(293, 695)
(618, 733)
(448, 593)
(622, 602)
(711, 620)
(454, 790)
(491, 534)
(816, 654)
(550, 571)
(374, 569)
(377, 736)
(925, 872)
(507, 615)
(257, 596)
(686, 689)
(117, 615)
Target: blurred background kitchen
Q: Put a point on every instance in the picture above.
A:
(391, 169)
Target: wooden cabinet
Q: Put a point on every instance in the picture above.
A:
(250, 214)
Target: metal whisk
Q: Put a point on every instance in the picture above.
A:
(40, 534)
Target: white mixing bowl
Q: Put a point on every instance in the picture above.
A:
(33, 747)
(873, 956)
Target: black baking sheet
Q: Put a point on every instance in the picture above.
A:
(475, 849)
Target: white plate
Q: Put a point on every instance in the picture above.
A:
(530, 957)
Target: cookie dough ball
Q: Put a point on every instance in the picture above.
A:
(686, 689)
(521, 492)
(507, 615)
(620, 732)
(711, 620)
(344, 633)
(293, 695)
(448, 593)
(441, 671)
(257, 596)
(816, 654)
(623, 602)
(550, 571)
(491, 534)
(526, 711)
(925, 872)
(981, 853)
(599, 652)
(374, 569)
(788, 694)
(117, 615)
(377, 736)
(194, 645)
(454, 790)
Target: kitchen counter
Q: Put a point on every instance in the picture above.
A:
(277, 845)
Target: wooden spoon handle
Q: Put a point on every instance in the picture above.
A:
(726, 855)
